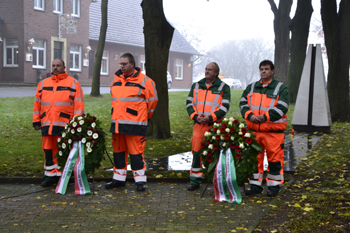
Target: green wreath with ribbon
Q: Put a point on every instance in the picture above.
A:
(88, 130)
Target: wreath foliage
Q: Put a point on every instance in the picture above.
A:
(230, 134)
(88, 130)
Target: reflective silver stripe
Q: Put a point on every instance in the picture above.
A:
(73, 87)
(279, 121)
(200, 102)
(36, 112)
(45, 103)
(190, 99)
(254, 107)
(53, 174)
(132, 99)
(258, 183)
(275, 92)
(155, 91)
(282, 103)
(120, 171)
(246, 105)
(152, 98)
(37, 99)
(215, 104)
(189, 105)
(196, 94)
(78, 112)
(139, 173)
(114, 99)
(152, 110)
(140, 179)
(250, 94)
(196, 169)
(243, 99)
(132, 122)
(258, 176)
(279, 111)
(223, 108)
(275, 177)
(63, 103)
(45, 123)
(225, 101)
(196, 175)
(78, 99)
(59, 123)
(273, 183)
(113, 120)
(52, 167)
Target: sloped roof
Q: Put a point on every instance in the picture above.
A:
(125, 25)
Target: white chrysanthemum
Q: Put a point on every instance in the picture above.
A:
(224, 144)
(83, 140)
(88, 144)
(225, 119)
(227, 130)
(229, 124)
(64, 145)
(72, 131)
(80, 118)
(79, 129)
(222, 137)
(231, 119)
(241, 125)
(63, 135)
(213, 137)
(93, 124)
(247, 135)
(89, 132)
(89, 150)
(206, 133)
(232, 138)
(66, 127)
(59, 139)
(72, 120)
(210, 146)
(218, 132)
(81, 122)
(60, 153)
(240, 133)
(75, 124)
(70, 141)
(205, 152)
(95, 136)
(241, 145)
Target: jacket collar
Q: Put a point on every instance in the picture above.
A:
(217, 82)
(59, 76)
(271, 85)
(136, 73)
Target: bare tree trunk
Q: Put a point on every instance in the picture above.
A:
(299, 26)
(158, 35)
(336, 27)
(95, 87)
(282, 41)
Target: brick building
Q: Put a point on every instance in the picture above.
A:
(34, 32)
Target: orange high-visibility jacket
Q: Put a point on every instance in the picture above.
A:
(57, 100)
(134, 100)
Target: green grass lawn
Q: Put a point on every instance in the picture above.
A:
(20, 144)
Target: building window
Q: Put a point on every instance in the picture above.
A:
(76, 8)
(58, 6)
(179, 69)
(10, 52)
(75, 57)
(104, 63)
(142, 62)
(39, 5)
(39, 54)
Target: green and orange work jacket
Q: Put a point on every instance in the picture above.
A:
(57, 100)
(272, 101)
(213, 101)
(134, 100)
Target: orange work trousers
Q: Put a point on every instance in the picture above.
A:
(50, 148)
(124, 144)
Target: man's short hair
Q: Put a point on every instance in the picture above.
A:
(130, 57)
(267, 62)
(60, 60)
(217, 68)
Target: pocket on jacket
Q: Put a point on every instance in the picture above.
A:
(43, 115)
(131, 111)
(65, 115)
(112, 111)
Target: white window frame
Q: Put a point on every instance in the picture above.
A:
(56, 4)
(105, 58)
(37, 50)
(76, 12)
(142, 62)
(37, 5)
(14, 49)
(75, 53)
(179, 69)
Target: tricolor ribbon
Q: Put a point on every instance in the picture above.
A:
(225, 185)
(75, 162)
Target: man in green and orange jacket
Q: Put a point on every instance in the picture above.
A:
(264, 105)
(57, 100)
(208, 102)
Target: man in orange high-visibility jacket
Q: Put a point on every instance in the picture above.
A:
(264, 104)
(207, 102)
(57, 100)
(134, 99)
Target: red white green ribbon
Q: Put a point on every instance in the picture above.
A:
(75, 162)
(225, 185)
